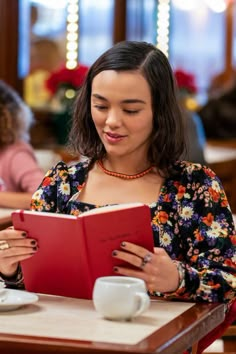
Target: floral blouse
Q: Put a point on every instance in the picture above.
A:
(191, 220)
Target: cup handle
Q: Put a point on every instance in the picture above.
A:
(144, 302)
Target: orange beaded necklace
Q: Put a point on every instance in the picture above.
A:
(123, 175)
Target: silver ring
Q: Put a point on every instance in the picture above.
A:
(146, 259)
(4, 245)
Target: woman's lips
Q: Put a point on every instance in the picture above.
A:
(113, 138)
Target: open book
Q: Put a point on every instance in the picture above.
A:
(74, 251)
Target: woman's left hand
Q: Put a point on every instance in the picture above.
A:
(157, 269)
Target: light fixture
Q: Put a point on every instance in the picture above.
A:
(214, 5)
(185, 5)
(72, 35)
(163, 23)
(53, 4)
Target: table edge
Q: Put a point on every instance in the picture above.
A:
(184, 330)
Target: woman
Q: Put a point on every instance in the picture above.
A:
(20, 173)
(128, 124)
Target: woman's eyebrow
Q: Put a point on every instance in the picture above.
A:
(133, 100)
(128, 100)
(96, 95)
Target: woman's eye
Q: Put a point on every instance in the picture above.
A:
(129, 111)
(100, 108)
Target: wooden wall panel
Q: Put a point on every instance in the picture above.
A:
(9, 19)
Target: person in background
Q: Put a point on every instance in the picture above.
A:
(218, 115)
(128, 124)
(195, 138)
(194, 131)
(45, 57)
(20, 173)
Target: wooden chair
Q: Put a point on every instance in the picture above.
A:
(229, 339)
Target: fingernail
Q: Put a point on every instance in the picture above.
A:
(33, 242)
(123, 244)
(24, 234)
(115, 269)
(114, 253)
(34, 248)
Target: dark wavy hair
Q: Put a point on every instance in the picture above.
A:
(167, 138)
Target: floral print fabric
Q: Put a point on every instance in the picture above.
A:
(191, 220)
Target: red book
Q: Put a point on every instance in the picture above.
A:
(74, 251)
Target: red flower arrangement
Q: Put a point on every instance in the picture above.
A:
(73, 78)
(185, 81)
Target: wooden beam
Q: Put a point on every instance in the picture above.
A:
(229, 15)
(9, 19)
(119, 29)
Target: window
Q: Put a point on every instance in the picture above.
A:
(197, 43)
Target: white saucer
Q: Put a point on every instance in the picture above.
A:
(13, 299)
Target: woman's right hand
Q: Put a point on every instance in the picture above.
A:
(15, 246)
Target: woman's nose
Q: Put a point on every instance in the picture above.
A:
(113, 118)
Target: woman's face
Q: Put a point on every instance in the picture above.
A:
(121, 109)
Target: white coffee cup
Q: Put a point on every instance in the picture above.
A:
(119, 297)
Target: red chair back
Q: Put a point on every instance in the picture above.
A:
(216, 333)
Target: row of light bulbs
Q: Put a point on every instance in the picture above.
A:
(72, 34)
(163, 22)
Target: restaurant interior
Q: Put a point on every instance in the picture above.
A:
(46, 44)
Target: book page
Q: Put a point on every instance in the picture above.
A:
(99, 210)
(44, 213)
(109, 208)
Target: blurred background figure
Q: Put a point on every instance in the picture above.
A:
(45, 57)
(20, 173)
(194, 130)
(219, 114)
(195, 138)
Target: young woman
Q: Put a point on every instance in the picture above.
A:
(128, 125)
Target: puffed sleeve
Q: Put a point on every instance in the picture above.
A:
(54, 191)
(207, 237)
(26, 174)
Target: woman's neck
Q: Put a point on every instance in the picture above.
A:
(125, 166)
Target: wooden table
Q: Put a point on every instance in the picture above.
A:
(66, 325)
(217, 154)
